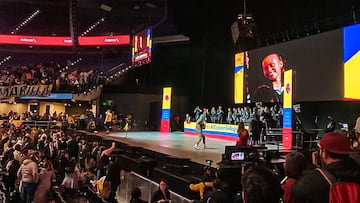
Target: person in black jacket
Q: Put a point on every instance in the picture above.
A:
(162, 195)
(10, 169)
(334, 159)
(113, 175)
(255, 129)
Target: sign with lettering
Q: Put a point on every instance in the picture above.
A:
(25, 90)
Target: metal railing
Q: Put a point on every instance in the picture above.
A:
(132, 180)
(32, 123)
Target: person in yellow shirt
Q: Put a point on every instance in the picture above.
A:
(108, 120)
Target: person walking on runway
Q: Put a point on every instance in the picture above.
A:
(200, 125)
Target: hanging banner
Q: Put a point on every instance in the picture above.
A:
(239, 78)
(25, 90)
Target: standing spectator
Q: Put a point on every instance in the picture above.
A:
(102, 160)
(47, 174)
(50, 151)
(162, 195)
(334, 159)
(113, 176)
(260, 185)
(295, 164)
(28, 174)
(73, 148)
(17, 152)
(255, 129)
(10, 169)
(356, 142)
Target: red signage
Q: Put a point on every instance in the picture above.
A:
(35, 40)
(104, 40)
(64, 41)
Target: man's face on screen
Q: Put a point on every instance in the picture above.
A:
(272, 67)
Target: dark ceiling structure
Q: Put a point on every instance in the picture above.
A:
(120, 16)
(273, 21)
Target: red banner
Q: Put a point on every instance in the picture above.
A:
(104, 40)
(35, 40)
(64, 41)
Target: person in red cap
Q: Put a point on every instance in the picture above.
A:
(333, 153)
(273, 68)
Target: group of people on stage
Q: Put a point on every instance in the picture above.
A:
(258, 120)
(271, 113)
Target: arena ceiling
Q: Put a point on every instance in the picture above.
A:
(274, 21)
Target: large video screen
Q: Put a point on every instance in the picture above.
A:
(352, 62)
(317, 64)
(141, 47)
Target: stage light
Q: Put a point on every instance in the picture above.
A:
(93, 26)
(26, 21)
(4, 60)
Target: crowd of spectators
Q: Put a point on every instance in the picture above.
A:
(63, 79)
(36, 159)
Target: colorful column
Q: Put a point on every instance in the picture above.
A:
(165, 112)
(239, 78)
(287, 110)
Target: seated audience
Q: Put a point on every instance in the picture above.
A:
(162, 195)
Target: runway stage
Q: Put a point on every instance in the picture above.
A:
(176, 144)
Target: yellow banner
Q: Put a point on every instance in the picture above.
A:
(166, 103)
(239, 78)
(288, 89)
